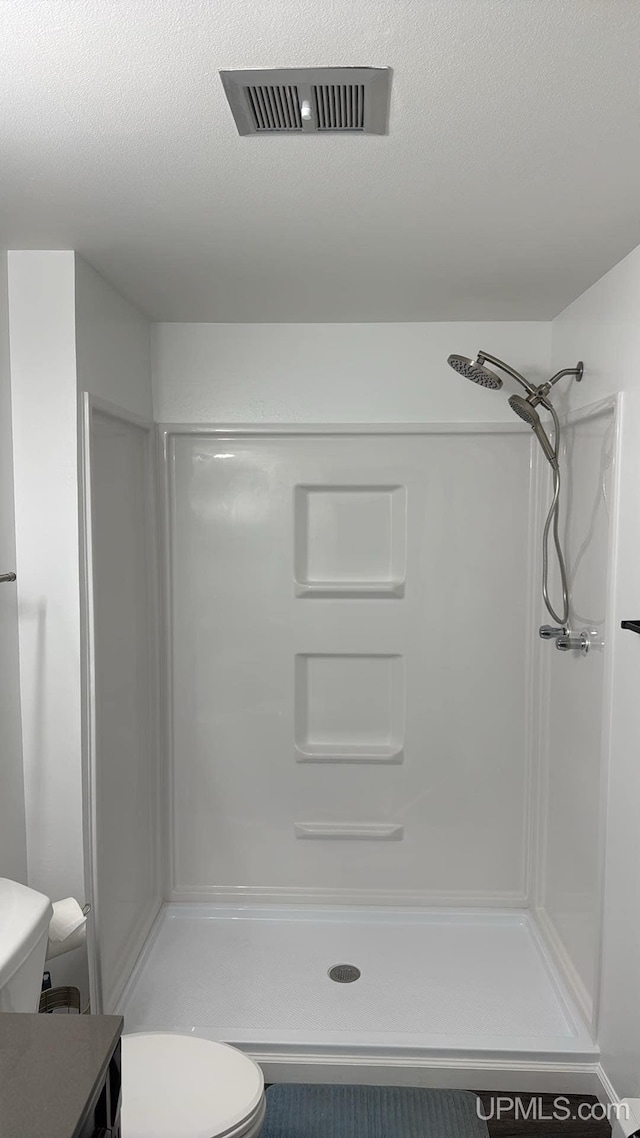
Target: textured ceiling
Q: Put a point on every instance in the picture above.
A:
(509, 181)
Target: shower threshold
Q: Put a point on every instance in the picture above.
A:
(445, 989)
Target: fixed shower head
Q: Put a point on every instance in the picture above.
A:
(524, 409)
(475, 371)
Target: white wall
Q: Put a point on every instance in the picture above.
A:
(603, 328)
(328, 373)
(68, 329)
(112, 344)
(44, 397)
(13, 845)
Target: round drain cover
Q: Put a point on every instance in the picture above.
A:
(344, 973)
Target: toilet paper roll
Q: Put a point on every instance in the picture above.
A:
(67, 928)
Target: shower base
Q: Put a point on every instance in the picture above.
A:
(439, 990)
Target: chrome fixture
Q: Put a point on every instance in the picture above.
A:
(6, 577)
(526, 411)
(550, 632)
(525, 408)
(475, 371)
(574, 642)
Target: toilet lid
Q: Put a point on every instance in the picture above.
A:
(177, 1086)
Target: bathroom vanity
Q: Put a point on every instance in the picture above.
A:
(59, 1076)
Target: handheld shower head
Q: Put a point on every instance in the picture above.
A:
(527, 412)
(475, 371)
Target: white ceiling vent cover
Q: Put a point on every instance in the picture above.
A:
(312, 100)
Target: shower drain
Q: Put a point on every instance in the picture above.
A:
(344, 973)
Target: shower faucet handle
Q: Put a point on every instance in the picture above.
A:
(551, 632)
(574, 642)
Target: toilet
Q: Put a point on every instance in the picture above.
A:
(173, 1086)
(178, 1086)
(24, 932)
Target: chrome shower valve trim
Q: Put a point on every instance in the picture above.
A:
(574, 642)
(551, 631)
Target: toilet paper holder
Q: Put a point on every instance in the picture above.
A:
(67, 927)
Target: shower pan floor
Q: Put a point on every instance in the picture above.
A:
(449, 982)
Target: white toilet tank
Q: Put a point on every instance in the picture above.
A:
(24, 929)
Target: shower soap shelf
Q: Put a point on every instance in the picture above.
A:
(348, 753)
(371, 590)
(355, 831)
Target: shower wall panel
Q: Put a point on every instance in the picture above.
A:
(574, 740)
(349, 626)
(125, 760)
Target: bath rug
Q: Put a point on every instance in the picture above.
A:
(300, 1110)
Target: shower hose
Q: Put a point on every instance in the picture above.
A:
(553, 516)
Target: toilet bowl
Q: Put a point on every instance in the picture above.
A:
(178, 1086)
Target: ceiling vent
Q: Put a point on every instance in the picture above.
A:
(314, 100)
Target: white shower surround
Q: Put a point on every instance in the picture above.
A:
(575, 705)
(459, 848)
(445, 1060)
(121, 720)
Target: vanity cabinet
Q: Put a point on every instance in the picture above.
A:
(60, 1076)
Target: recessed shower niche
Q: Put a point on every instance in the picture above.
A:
(349, 709)
(350, 541)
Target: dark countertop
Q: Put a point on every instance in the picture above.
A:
(50, 1068)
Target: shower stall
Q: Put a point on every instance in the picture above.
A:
(327, 822)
